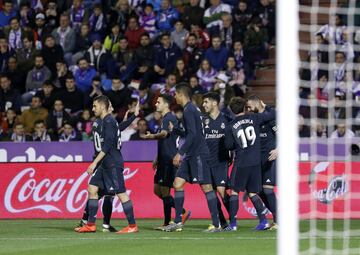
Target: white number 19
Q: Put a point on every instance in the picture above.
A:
(246, 136)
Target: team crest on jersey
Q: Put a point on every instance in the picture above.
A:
(207, 122)
(222, 126)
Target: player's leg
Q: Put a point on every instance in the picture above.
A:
(168, 203)
(268, 194)
(211, 199)
(260, 211)
(93, 208)
(157, 190)
(271, 199)
(225, 199)
(128, 210)
(233, 210)
(107, 212)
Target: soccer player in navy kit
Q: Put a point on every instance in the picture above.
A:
(242, 134)
(110, 172)
(193, 168)
(167, 149)
(214, 127)
(268, 158)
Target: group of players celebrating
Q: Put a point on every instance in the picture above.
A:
(199, 149)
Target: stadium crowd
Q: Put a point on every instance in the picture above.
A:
(56, 56)
(330, 81)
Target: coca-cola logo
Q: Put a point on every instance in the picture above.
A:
(45, 194)
(323, 191)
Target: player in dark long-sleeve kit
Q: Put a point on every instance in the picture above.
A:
(108, 198)
(109, 175)
(167, 149)
(214, 127)
(242, 134)
(268, 158)
(193, 168)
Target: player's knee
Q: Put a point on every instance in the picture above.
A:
(123, 197)
(252, 194)
(165, 191)
(178, 185)
(268, 187)
(157, 191)
(93, 192)
(221, 191)
(206, 188)
(234, 193)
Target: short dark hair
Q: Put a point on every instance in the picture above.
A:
(212, 96)
(237, 105)
(70, 76)
(166, 98)
(103, 100)
(164, 34)
(254, 98)
(184, 89)
(48, 82)
(16, 18)
(39, 122)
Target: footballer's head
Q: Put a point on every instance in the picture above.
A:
(253, 104)
(211, 102)
(237, 105)
(101, 105)
(183, 93)
(163, 103)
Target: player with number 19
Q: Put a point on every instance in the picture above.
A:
(243, 135)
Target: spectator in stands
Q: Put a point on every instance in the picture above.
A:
(83, 43)
(133, 33)
(196, 88)
(27, 16)
(192, 15)
(212, 16)
(179, 35)
(53, 53)
(166, 55)
(40, 134)
(192, 54)
(225, 91)
(9, 97)
(237, 77)
(78, 15)
(241, 62)
(182, 74)
(147, 20)
(26, 55)
(304, 130)
(155, 123)
(111, 42)
(97, 21)
(124, 60)
(72, 98)
(227, 32)
(61, 73)
(146, 98)
(47, 95)
(339, 67)
(266, 12)
(5, 53)
(15, 34)
(19, 134)
(319, 131)
(7, 13)
(17, 77)
(166, 17)
(69, 133)
(144, 58)
(97, 55)
(164, 88)
(41, 31)
(217, 54)
(56, 119)
(202, 37)
(206, 75)
(342, 132)
(242, 17)
(96, 88)
(333, 33)
(347, 47)
(84, 75)
(35, 78)
(119, 95)
(84, 125)
(142, 129)
(120, 14)
(7, 124)
(65, 36)
(30, 116)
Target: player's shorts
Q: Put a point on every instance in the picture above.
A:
(111, 180)
(219, 175)
(165, 175)
(195, 170)
(268, 172)
(246, 179)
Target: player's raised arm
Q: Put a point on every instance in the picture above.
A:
(127, 121)
(268, 115)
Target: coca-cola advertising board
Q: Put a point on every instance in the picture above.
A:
(58, 190)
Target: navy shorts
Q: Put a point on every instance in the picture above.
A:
(195, 170)
(268, 172)
(165, 175)
(110, 181)
(246, 179)
(219, 175)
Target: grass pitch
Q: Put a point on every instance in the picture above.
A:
(52, 237)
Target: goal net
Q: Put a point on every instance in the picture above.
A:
(319, 126)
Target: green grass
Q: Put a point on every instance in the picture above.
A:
(52, 237)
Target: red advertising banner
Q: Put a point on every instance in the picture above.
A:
(58, 190)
